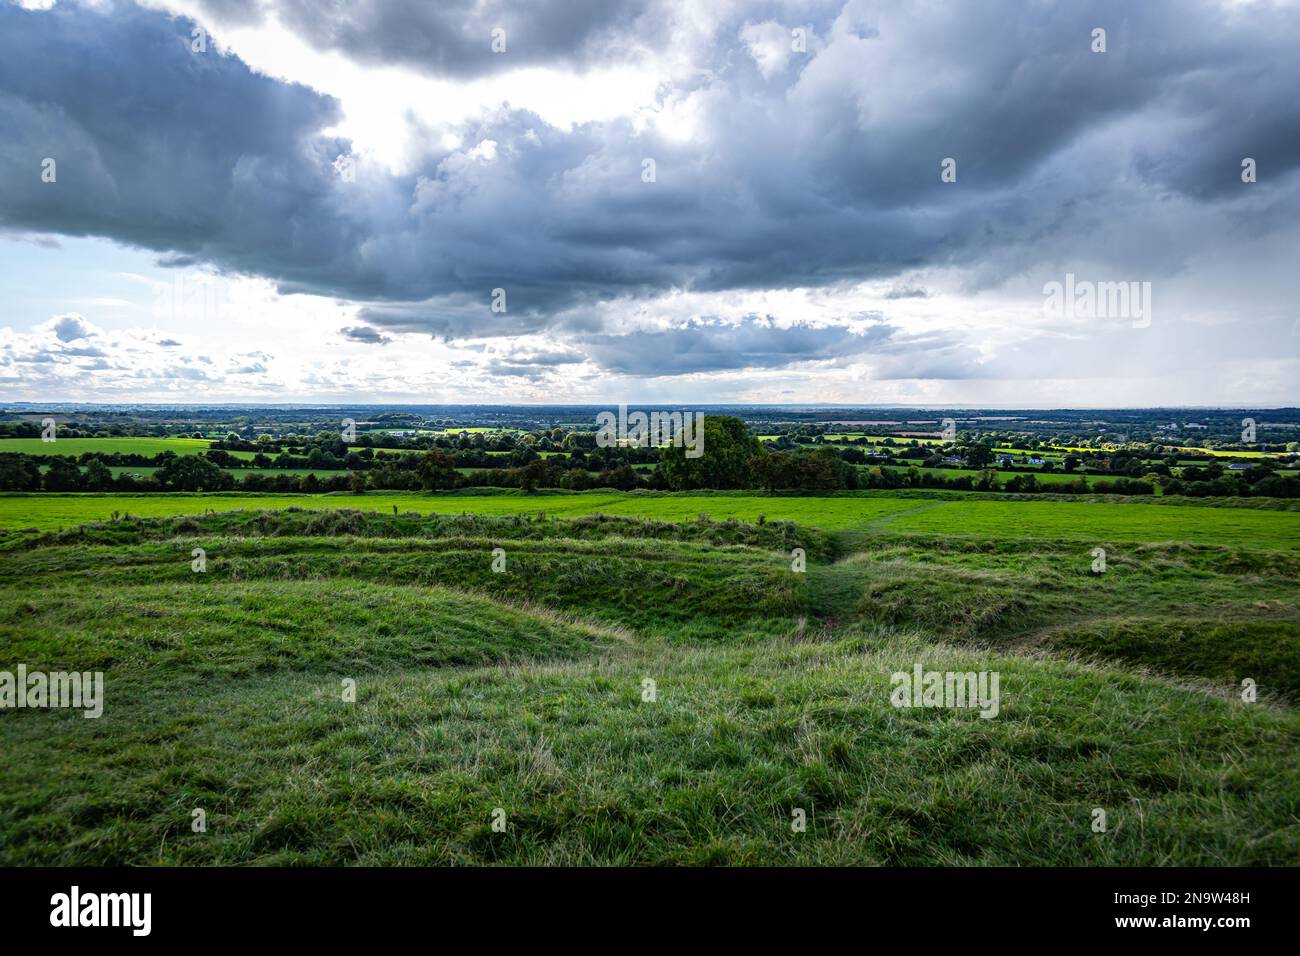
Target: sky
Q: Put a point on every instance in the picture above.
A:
(1009, 203)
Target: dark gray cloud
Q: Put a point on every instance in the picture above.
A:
(45, 242)
(454, 37)
(510, 370)
(710, 345)
(189, 154)
(364, 333)
(547, 358)
(71, 326)
(819, 170)
(535, 365)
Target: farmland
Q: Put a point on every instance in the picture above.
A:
(918, 512)
(575, 458)
(105, 446)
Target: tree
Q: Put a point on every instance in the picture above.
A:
(62, 475)
(771, 470)
(192, 473)
(321, 460)
(436, 471)
(623, 477)
(536, 473)
(979, 455)
(98, 477)
(523, 455)
(1023, 483)
(822, 470)
(726, 447)
(19, 473)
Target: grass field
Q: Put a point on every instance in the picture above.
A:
(1043, 477)
(964, 516)
(53, 511)
(107, 446)
(525, 689)
(237, 472)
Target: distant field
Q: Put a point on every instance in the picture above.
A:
(1227, 454)
(1054, 453)
(107, 446)
(1044, 477)
(1098, 521)
(970, 517)
(54, 511)
(237, 472)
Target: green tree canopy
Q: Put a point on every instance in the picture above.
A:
(727, 446)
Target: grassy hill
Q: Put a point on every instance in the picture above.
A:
(526, 689)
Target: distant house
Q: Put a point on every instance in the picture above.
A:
(1036, 461)
(1005, 460)
(1238, 466)
(953, 461)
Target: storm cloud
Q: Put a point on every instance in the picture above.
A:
(451, 37)
(807, 164)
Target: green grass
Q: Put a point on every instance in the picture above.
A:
(207, 626)
(709, 773)
(523, 689)
(1026, 517)
(702, 580)
(1243, 623)
(54, 511)
(1088, 521)
(107, 446)
(1233, 648)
